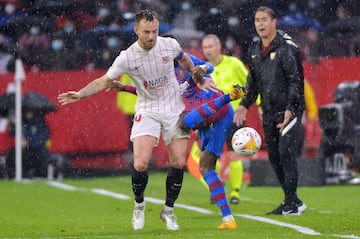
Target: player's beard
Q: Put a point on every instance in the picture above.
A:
(149, 44)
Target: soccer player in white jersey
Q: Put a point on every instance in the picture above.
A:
(150, 63)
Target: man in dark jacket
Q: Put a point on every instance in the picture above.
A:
(35, 134)
(276, 73)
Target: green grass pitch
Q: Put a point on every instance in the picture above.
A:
(102, 208)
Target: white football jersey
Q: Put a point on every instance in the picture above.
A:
(153, 74)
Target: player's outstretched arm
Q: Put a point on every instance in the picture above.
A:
(92, 88)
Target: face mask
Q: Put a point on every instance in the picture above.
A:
(233, 21)
(29, 115)
(114, 26)
(34, 30)
(112, 42)
(194, 43)
(214, 11)
(229, 44)
(103, 12)
(186, 6)
(128, 15)
(312, 4)
(57, 45)
(69, 29)
(293, 7)
(10, 8)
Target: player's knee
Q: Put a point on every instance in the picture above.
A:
(179, 164)
(140, 165)
(207, 162)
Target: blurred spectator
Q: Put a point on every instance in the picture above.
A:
(297, 18)
(185, 18)
(337, 34)
(213, 21)
(68, 28)
(10, 10)
(354, 45)
(27, 5)
(6, 55)
(312, 46)
(84, 14)
(185, 13)
(109, 51)
(90, 21)
(103, 11)
(232, 47)
(60, 57)
(35, 133)
(342, 24)
(114, 21)
(32, 44)
(327, 10)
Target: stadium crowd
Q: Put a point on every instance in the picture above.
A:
(87, 35)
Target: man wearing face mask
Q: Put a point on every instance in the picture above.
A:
(109, 51)
(32, 44)
(60, 57)
(6, 55)
(35, 134)
(185, 18)
(10, 11)
(69, 31)
(232, 46)
(57, 45)
(103, 12)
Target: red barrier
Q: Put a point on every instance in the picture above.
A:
(326, 75)
(91, 125)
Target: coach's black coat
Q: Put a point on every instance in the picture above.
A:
(277, 76)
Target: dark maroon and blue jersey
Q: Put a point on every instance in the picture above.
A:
(193, 96)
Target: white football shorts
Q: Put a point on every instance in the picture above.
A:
(154, 124)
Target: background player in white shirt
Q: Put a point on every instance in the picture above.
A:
(149, 62)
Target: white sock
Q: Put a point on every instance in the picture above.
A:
(141, 204)
(168, 209)
(228, 218)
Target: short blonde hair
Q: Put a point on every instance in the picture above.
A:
(214, 37)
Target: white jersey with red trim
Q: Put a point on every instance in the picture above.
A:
(153, 74)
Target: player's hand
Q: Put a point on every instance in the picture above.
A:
(115, 86)
(197, 73)
(68, 97)
(240, 115)
(208, 84)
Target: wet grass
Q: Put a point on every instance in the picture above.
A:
(35, 209)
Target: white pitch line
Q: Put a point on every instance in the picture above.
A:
(110, 194)
(347, 236)
(301, 229)
(62, 186)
